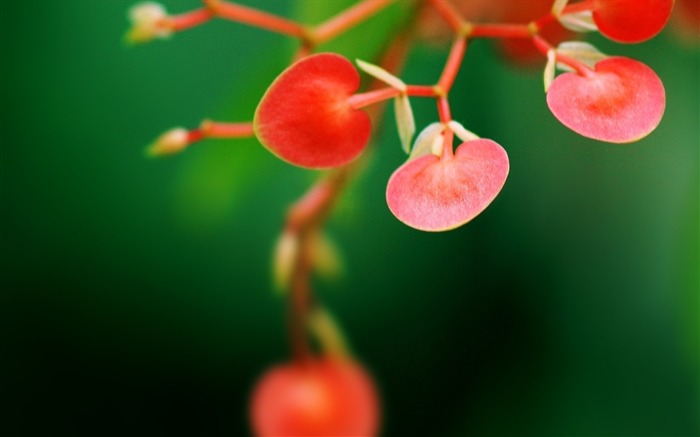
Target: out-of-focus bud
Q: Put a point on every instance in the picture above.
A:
(327, 259)
(149, 21)
(285, 257)
(171, 142)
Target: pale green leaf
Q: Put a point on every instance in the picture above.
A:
(381, 74)
(405, 123)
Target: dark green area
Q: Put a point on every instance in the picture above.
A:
(136, 296)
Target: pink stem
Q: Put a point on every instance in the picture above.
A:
(544, 47)
(254, 17)
(195, 135)
(189, 19)
(443, 107)
(347, 19)
(449, 14)
(421, 91)
(454, 61)
(361, 100)
(500, 31)
(214, 129)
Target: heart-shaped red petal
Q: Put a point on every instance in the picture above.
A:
(434, 194)
(304, 117)
(631, 21)
(622, 101)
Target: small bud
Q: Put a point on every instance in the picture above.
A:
(285, 257)
(329, 335)
(149, 21)
(171, 142)
(326, 256)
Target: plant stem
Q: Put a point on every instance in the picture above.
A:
(255, 17)
(454, 61)
(347, 19)
(544, 47)
(189, 19)
(213, 129)
(443, 107)
(500, 31)
(361, 100)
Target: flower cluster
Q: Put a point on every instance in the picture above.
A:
(315, 115)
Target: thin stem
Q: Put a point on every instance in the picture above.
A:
(189, 19)
(303, 218)
(500, 31)
(255, 17)
(299, 303)
(454, 61)
(542, 22)
(347, 19)
(449, 14)
(213, 129)
(361, 100)
(443, 107)
(195, 135)
(421, 91)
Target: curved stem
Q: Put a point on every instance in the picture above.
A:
(544, 47)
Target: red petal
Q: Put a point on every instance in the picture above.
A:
(631, 21)
(304, 117)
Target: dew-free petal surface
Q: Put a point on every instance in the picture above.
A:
(304, 117)
(623, 101)
(434, 194)
(631, 21)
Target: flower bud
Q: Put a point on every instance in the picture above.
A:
(171, 142)
(149, 21)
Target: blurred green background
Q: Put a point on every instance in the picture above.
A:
(136, 294)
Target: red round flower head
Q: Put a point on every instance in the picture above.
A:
(304, 117)
(438, 194)
(631, 21)
(321, 397)
(621, 101)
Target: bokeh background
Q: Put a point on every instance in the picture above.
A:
(136, 293)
